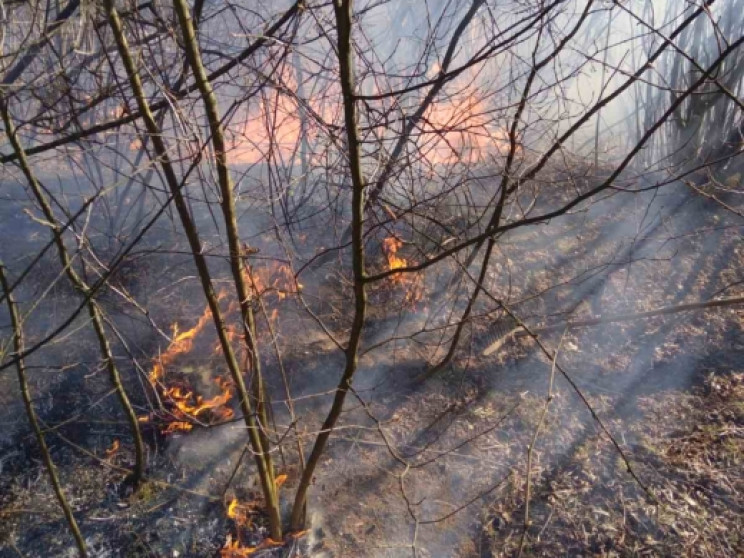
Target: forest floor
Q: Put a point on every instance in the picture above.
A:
(438, 468)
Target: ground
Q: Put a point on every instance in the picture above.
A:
(437, 468)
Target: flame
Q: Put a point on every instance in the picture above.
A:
(412, 282)
(240, 514)
(181, 343)
(391, 245)
(177, 426)
(110, 452)
(183, 403)
(186, 404)
(183, 397)
(233, 549)
(285, 282)
(460, 131)
(459, 128)
(273, 127)
(232, 507)
(273, 278)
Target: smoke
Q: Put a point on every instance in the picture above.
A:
(440, 465)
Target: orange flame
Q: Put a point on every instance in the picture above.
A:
(181, 343)
(412, 282)
(110, 452)
(391, 245)
(458, 129)
(240, 514)
(182, 398)
(177, 426)
(233, 548)
(277, 279)
(188, 405)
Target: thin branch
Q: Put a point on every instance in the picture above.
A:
(31, 413)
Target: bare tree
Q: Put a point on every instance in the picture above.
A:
(353, 176)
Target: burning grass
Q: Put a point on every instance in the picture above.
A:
(685, 444)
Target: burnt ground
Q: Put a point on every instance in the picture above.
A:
(668, 389)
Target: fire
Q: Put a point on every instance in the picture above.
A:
(412, 282)
(233, 549)
(181, 343)
(391, 245)
(177, 426)
(240, 513)
(459, 128)
(186, 405)
(272, 279)
(189, 404)
(110, 452)
(182, 402)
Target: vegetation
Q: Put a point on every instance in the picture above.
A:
(372, 278)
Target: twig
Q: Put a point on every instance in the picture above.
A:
(531, 449)
(584, 400)
(77, 281)
(521, 330)
(49, 464)
(195, 244)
